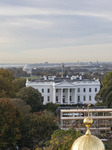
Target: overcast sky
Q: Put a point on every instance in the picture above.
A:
(34, 31)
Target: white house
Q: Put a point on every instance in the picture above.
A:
(66, 90)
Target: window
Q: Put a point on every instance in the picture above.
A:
(78, 98)
(42, 90)
(84, 89)
(56, 98)
(78, 89)
(48, 98)
(70, 90)
(63, 99)
(63, 90)
(56, 90)
(89, 89)
(95, 89)
(89, 98)
(70, 98)
(84, 98)
(48, 90)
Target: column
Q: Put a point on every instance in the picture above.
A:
(54, 95)
(61, 96)
(75, 96)
(68, 96)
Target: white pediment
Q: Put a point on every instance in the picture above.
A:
(64, 84)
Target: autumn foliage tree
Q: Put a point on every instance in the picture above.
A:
(10, 125)
(19, 83)
(105, 93)
(32, 97)
(37, 128)
(6, 86)
(21, 105)
(62, 139)
(9, 85)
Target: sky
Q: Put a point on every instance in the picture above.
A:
(37, 31)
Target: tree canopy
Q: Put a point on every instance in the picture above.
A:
(9, 85)
(32, 97)
(6, 86)
(105, 92)
(37, 128)
(51, 107)
(21, 105)
(10, 124)
(62, 139)
(19, 83)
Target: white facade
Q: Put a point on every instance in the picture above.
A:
(67, 90)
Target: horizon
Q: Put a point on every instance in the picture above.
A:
(9, 63)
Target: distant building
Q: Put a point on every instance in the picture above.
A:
(28, 69)
(66, 90)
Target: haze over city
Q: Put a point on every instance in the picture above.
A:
(35, 31)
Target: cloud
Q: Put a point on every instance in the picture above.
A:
(29, 11)
(52, 30)
(28, 22)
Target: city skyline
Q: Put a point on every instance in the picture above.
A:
(40, 31)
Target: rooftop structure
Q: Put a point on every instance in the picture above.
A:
(66, 90)
(74, 118)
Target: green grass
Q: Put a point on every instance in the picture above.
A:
(32, 77)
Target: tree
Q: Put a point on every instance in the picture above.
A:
(7, 74)
(10, 125)
(9, 85)
(106, 90)
(19, 83)
(37, 128)
(107, 80)
(21, 105)
(6, 86)
(51, 107)
(62, 139)
(32, 97)
(109, 99)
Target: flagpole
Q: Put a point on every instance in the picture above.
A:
(62, 69)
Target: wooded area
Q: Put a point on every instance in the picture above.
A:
(27, 123)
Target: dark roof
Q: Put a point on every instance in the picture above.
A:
(61, 79)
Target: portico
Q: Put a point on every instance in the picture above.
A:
(65, 95)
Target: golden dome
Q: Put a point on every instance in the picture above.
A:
(88, 142)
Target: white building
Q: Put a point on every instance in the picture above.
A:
(66, 90)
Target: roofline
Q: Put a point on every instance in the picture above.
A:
(85, 110)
